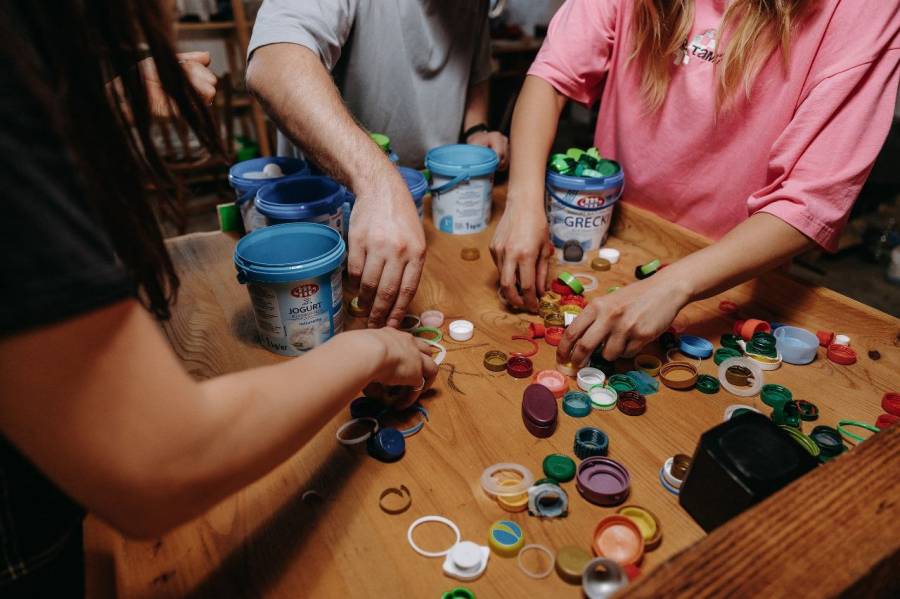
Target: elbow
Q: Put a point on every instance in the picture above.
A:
(143, 506)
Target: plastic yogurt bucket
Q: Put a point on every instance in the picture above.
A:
(247, 177)
(293, 274)
(303, 199)
(463, 178)
(418, 187)
(580, 208)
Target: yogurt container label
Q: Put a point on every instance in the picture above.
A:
(293, 318)
(465, 208)
(582, 216)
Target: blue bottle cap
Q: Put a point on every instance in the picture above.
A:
(387, 445)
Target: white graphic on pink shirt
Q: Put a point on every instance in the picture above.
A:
(703, 46)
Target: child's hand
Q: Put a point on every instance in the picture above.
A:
(521, 250)
(623, 321)
(406, 368)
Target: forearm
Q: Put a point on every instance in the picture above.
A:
(300, 96)
(477, 102)
(533, 129)
(757, 245)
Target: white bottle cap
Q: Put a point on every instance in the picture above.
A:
(612, 255)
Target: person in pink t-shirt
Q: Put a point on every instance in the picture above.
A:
(752, 122)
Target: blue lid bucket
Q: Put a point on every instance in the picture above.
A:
(417, 185)
(302, 199)
(463, 181)
(580, 209)
(245, 187)
(293, 274)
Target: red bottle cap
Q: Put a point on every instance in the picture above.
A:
(890, 403)
(841, 354)
(536, 330)
(825, 338)
(557, 286)
(519, 367)
(553, 335)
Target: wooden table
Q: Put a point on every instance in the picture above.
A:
(837, 529)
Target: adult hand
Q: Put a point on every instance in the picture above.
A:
(624, 321)
(521, 250)
(387, 248)
(495, 141)
(195, 66)
(406, 369)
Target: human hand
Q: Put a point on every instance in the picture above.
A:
(387, 249)
(406, 368)
(494, 140)
(624, 321)
(195, 66)
(521, 250)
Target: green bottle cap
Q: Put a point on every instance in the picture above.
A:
(559, 467)
(383, 141)
(593, 153)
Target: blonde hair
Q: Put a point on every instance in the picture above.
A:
(753, 28)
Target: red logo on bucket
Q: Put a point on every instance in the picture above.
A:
(308, 290)
(590, 202)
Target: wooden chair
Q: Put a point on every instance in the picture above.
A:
(191, 164)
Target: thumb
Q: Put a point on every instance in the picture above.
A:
(201, 57)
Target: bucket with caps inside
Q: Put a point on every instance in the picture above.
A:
(303, 199)
(581, 191)
(384, 143)
(247, 177)
(463, 179)
(293, 274)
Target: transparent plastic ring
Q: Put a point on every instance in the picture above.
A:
(587, 280)
(355, 440)
(532, 573)
(441, 520)
(750, 365)
(493, 486)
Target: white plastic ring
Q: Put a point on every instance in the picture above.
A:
(766, 364)
(531, 573)
(355, 440)
(590, 377)
(611, 255)
(461, 330)
(730, 410)
(752, 366)
(432, 318)
(442, 353)
(493, 487)
(440, 520)
(592, 282)
(841, 339)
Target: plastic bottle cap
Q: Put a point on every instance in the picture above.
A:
(519, 367)
(841, 339)
(495, 360)
(619, 539)
(553, 380)
(590, 377)
(646, 522)
(573, 283)
(432, 318)
(387, 445)
(603, 398)
(461, 330)
(570, 563)
(577, 404)
(506, 538)
(600, 264)
(610, 254)
(470, 254)
(559, 467)
(841, 354)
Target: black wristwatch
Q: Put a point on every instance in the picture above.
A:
(472, 131)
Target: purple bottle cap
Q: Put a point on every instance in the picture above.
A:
(539, 406)
(603, 481)
(542, 432)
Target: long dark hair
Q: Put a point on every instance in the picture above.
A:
(66, 52)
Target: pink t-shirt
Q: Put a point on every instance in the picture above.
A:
(799, 149)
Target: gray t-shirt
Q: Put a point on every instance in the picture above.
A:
(403, 66)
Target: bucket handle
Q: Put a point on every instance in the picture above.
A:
(553, 195)
(451, 183)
